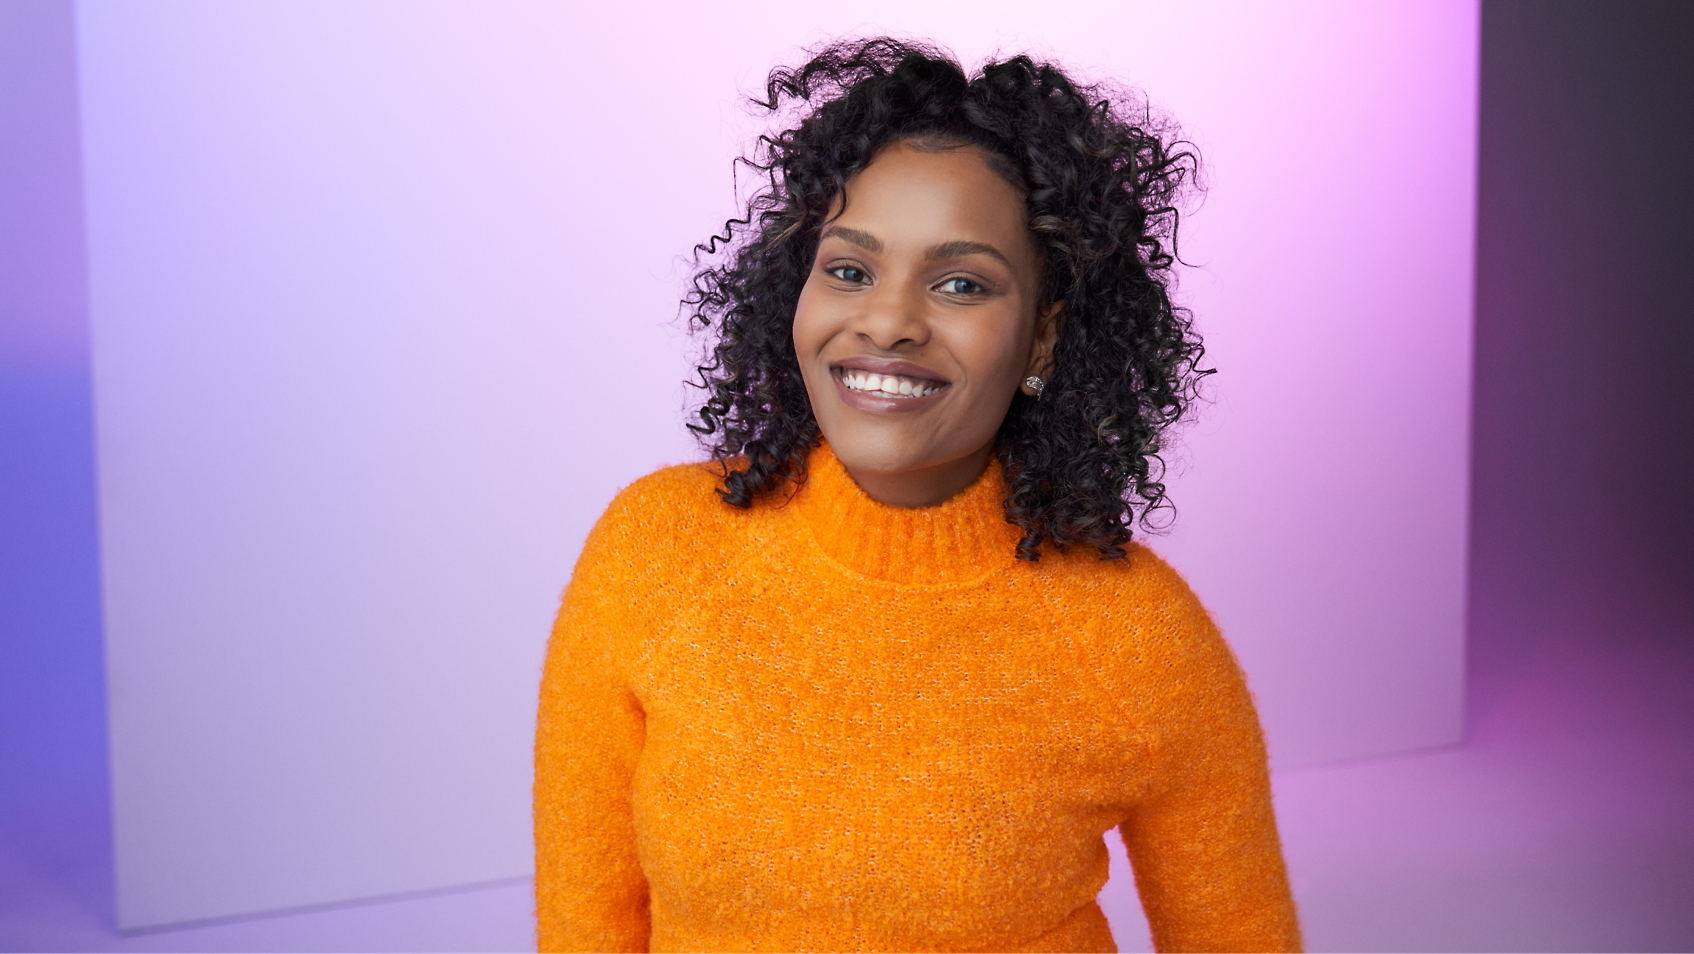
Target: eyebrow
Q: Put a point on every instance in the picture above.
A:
(959, 249)
(954, 249)
(864, 240)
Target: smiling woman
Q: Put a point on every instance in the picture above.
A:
(826, 692)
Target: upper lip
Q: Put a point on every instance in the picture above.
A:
(875, 365)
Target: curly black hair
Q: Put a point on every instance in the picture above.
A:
(1103, 181)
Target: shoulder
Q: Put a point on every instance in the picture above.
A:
(668, 507)
(1149, 634)
(681, 491)
(641, 553)
(1140, 591)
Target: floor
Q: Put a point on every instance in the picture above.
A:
(1562, 824)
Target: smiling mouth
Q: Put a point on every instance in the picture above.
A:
(887, 385)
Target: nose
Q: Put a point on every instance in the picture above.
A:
(894, 317)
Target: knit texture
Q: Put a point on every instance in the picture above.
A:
(829, 724)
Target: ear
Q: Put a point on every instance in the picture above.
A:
(1048, 324)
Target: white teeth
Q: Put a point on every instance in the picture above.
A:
(886, 384)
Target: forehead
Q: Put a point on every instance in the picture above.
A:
(908, 194)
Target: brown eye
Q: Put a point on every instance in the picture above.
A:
(851, 274)
(959, 286)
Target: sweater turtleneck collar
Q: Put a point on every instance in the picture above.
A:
(956, 541)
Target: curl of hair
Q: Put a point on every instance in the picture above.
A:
(1102, 181)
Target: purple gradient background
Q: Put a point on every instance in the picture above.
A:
(377, 329)
(1561, 823)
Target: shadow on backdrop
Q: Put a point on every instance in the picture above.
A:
(1583, 456)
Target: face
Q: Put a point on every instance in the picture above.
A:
(918, 322)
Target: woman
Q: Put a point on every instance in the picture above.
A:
(884, 675)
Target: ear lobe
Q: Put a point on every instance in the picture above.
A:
(1048, 326)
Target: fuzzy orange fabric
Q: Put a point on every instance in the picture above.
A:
(830, 724)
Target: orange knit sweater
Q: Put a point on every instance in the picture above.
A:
(830, 724)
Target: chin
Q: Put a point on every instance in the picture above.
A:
(886, 455)
(871, 456)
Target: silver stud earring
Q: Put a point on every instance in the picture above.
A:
(1035, 384)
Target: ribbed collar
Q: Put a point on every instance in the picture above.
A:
(959, 540)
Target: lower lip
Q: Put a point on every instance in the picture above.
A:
(873, 402)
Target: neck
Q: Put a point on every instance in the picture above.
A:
(924, 486)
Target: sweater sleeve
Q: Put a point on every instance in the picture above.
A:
(1203, 841)
(590, 893)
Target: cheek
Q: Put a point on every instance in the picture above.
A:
(998, 354)
(805, 320)
(810, 333)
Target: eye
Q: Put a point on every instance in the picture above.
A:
(959, 286)
(851, 274)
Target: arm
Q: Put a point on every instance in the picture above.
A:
(590, 894)
(1203, 842)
